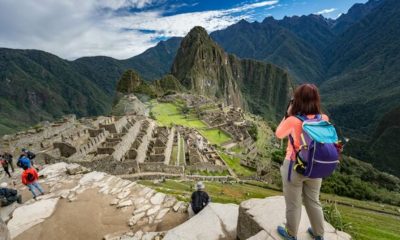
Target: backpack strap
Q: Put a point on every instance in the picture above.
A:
(291, 161)
(302, 118)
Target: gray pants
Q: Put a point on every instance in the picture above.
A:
(298, 189)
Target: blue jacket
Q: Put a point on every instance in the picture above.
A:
(24, 161)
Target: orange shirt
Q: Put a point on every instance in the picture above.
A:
(293, 126)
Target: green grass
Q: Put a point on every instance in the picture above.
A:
(237, 149)
(168, 114)
(234, 163)
(174, 156)
(182, 152)
(219, 192)
(208, 173)
(369, 225)
(215, 136)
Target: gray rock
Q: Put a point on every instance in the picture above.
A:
(28, 216)
(157, 199)
(215, 222)
(125, 203)
(258, 215)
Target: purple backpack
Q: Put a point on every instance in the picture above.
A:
(318, 154)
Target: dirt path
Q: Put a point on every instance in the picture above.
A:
(89, 217)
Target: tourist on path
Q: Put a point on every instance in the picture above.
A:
(4, 164)
(7, 156)
(30, 179)
(24, 161)
(30, 155)
(8, 195)
(296, 187)
(199, 199)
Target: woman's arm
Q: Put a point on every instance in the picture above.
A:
(285, 127)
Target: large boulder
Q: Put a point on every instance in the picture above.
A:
(4, 233)
(215, 222)
(28, 216)
(259, 218)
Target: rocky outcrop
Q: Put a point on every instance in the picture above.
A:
(128, 105)
(259, 218)
(215, 222)
(4, 233)
(30, 215)
(149, 208)
(129, 82)
(204, 68)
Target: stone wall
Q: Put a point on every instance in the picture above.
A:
(108, 165)
(160, 167)
(126, 141)
(205, 166)
(115, 124)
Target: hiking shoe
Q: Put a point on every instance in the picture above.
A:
(310, 231)
(284, 233)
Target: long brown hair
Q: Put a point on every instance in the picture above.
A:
(306, 100)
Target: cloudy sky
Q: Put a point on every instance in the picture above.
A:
(124, 28)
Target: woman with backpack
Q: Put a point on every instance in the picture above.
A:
(30, 179)
(302, 184)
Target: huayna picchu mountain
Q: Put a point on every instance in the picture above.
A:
(204, 68)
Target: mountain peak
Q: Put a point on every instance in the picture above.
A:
(197, 32)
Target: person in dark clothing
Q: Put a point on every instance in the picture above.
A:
(7, 156)
(8, 195)
(4, 164)
(30, 155)
(199, 199)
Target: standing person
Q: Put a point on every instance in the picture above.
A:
(297, 187)
(23, 161)
(30, 155)
(30, 179)
(199, 199)
(4, 164)
(7, 156)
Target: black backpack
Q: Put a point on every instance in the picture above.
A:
(200, 199)
(30, 177)
(31, 155)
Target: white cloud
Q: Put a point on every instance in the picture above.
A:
(325, 11)
(75, 28)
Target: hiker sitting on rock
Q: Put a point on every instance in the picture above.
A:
(200, 199)
(8, 195)
(30, 179)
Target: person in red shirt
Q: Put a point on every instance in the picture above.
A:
(30, 179)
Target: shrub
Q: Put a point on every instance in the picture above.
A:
(333, 216)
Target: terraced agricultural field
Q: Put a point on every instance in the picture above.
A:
(168, 114)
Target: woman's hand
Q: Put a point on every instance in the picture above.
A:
(289, 110)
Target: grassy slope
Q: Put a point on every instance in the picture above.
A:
(365, 224)
(234, 163)
(168, 113)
